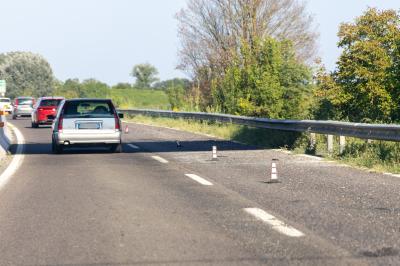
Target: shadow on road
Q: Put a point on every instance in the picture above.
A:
(31, 148)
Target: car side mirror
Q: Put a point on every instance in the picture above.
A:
(51, 117)
(120, 115)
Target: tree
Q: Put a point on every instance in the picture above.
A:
(164, 85)
(367, 79)
(213, 31)
(89, 88)
(145, 75)
(26, 74)
(122, 86)
(69, 89)
(92, 88)
(265, 80)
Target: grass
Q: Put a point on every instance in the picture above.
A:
(138, 98)
(251, 136)
(381, 156)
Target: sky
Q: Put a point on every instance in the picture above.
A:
(104, 39)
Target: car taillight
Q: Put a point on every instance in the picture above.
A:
(60, 123)
(16, 102)
(117, 127)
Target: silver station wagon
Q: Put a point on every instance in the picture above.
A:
(84, 122)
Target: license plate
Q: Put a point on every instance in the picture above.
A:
(89, 126)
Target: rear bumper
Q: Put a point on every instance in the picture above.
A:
(17, 112)
(75, 138)
(45, 122)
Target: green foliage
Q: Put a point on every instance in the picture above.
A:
(252, 136)
(145, 75)
(178, 91)
(26, 74)
(123, 96)
(138, 98)
(264, 80)
(122, 86)
(176, 96)
(90, 88)
(176, 82)
(366, 84)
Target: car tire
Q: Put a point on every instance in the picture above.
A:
(35, 125)
(116, 148)
(56, 148)
(14, 117)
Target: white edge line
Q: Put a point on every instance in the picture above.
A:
(158, 158)
(199, 179)
(276, 224)
(17, 159)
(391, 174)
(134, 146)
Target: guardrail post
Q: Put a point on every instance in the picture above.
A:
(313, 141)
(330, 144)
(342, 144)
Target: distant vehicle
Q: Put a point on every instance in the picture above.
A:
(5, 105)
(22, 106)
(84, 122)
(45, 106)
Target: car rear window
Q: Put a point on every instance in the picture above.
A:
(4, 100)
(22, 101)
(88, 109)
(50, 102)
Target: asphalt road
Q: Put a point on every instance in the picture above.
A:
(158, 204)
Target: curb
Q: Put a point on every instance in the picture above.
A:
(17, 158)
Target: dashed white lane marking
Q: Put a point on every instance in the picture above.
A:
(199, 179)
(134, 146)
(16, 161)
(276, 224)
(158, 158)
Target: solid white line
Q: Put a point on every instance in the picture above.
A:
(391, 174)
(311, 157)
(134, 146)
(276, 225)
(17, 158)
(199, 180)
(158, 158)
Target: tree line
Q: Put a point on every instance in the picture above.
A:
(255, 58)
(258, 58)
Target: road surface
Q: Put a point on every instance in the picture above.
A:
(159, 204)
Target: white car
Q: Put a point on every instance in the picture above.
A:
(83, 122)
(5, 105)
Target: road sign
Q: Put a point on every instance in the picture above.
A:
(2, 87)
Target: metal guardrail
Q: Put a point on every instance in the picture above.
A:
(357, 130)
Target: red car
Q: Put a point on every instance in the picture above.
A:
(45, 106)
